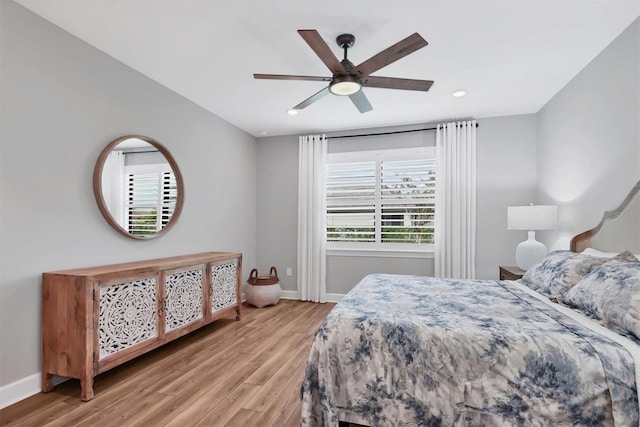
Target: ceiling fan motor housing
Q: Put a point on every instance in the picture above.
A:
(345, 84)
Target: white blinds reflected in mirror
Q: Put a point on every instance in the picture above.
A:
(151, 195)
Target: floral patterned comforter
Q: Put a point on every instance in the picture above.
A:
(419, 351)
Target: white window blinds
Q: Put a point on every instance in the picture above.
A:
(407, 201)
(382, 202)
(351, 202)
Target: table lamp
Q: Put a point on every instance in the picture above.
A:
(531, 218)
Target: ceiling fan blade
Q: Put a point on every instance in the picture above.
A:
(360, 101)
(394, 83)
(389, 55)
(313, 98)
(290, 77)
(315, 42)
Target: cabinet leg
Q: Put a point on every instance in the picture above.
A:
(47, 383)
(86, 384)
(237, 313)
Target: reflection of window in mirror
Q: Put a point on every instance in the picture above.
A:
(139, 187)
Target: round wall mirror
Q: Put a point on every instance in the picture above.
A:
(138, 187)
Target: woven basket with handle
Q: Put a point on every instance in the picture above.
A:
(257, 280)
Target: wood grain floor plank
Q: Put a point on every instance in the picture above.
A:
(245, 373)
(244, 418)
(127, 413)
(22, 410)
(271, 390)
(295, 418)
(116, 398)
(283, 407)
(219, 411)
(271, 365)
(189, 393)
(44, 416)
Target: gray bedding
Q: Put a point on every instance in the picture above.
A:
(418, 351)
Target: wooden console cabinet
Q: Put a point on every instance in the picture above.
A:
(96, 318)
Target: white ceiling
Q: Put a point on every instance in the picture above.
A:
(511, 56)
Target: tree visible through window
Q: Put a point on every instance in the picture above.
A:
(389, 201)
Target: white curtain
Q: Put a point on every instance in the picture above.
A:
(113, 185)
(311, 218)
(455, 216)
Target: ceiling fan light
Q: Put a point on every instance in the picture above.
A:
(345, 85)
(292, 111)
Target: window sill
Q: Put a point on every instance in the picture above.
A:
(382, 253)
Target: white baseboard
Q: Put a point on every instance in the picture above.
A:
(289, 295)
(334, 297)
(294, 295)
(19, 390)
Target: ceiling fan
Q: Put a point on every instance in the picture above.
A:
(348, 80)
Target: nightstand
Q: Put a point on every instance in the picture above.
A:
(510, 273)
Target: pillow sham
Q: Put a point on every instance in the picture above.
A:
(626, 256)
(611, 293)
(597, 253)
(559, 271)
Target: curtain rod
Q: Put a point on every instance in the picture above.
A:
(386, 133)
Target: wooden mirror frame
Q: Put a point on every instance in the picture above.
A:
(97, 186)
(583, 240)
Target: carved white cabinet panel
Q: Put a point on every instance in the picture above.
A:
(96, 318)
(127, 314)
(223, 285)
(183, 301)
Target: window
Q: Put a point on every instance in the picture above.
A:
(381, 199)
(151, 198)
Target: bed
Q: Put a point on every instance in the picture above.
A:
(559, 347)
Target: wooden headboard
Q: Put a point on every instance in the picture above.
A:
(627, 227)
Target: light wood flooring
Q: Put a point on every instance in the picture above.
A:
(229, 373)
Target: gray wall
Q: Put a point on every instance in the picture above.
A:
(506, 176)
(62, 101)
(589, 139)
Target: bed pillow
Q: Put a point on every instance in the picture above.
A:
(559, 271)
(597, 253)
(626, 256)
(611, 293)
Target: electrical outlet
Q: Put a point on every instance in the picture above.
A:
(289, 272)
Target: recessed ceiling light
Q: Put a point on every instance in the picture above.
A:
(459, 93)
(262, 132)
(293, 112)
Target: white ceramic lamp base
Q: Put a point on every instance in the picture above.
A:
(530, 252)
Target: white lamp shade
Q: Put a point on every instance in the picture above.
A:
(532, 217)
